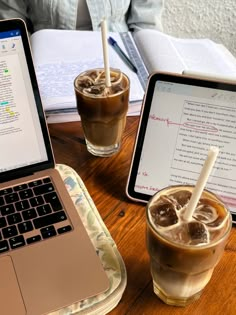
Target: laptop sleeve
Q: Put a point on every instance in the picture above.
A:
(105, 246)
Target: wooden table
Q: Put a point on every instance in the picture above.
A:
(105, 179)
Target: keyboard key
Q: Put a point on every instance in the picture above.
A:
(53, 199)
(3, 222)
(17, 241)
(2, 202)
(47, 180)
(44, 209)
(22, 205)
(49, 231)
(24, 227)
(49, 219)
(14, 218)
(64, 229)
(43, 189)
(4, 246)
(20, 187)
(9, 209)
(12, 198)
(33, 239)
(9, 231)
(36, 201)
(27, 193)
(29, 214)
(35, 183)
(6, 191)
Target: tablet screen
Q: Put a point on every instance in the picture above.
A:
(181, 118)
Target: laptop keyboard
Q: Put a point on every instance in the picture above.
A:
(29, 213)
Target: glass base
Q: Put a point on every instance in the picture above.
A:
(175, 301)
(102, 151)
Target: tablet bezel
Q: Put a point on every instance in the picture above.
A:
(144, 115)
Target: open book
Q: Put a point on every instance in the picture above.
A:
(166, 53)
(60, 55)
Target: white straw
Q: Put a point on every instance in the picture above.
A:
(105, 52)
(201, 182)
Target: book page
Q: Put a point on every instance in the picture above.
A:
(60, 55)
(162, 52)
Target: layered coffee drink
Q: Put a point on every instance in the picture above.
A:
(102, 109)
(183, 253)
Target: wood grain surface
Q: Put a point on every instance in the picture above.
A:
(105, 179)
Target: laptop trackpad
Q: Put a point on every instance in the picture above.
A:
(9, 289)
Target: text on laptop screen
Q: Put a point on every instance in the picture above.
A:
(20, 130)
(183, 122)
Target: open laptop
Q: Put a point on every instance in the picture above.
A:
(182, 116)
(47, 260)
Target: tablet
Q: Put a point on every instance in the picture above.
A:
(181, 118)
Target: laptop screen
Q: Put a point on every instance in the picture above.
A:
(181, 119)
(22, 139)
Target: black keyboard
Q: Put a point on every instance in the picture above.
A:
(30, 213)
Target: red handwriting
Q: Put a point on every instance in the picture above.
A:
(142, 187)
(190, 124)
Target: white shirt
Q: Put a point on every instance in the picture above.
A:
(83, 17)
(121, 15)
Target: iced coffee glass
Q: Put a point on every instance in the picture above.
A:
(102, 109)
(183, 254)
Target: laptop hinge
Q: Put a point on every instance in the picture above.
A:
(12, 177)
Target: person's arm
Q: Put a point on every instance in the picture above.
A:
(145, 14)
(13, 9)
(10, 9)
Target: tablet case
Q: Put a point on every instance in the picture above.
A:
(105, 246)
